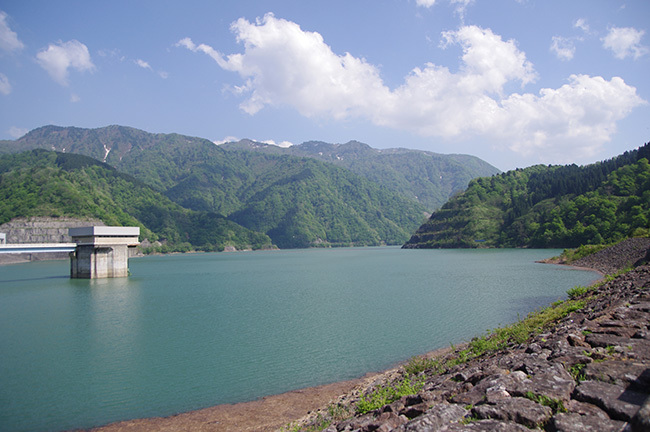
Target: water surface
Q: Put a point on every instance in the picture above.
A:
(189, 331)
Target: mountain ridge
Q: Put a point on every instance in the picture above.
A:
(428, 177)
(300, 201)
(43, 183)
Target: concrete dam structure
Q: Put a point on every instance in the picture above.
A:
(102, 251)
(96, 252)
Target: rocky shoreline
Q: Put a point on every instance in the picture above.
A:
(589, 371)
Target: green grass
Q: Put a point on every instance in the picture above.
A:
(335, 412)
(578, 291)
(514, 334)
(555, 404)
(570, 255)
(577, 371)
(419, 364)
(385, 394)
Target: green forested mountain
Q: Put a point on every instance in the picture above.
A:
(46, 183)
(427, 177)
(297, 201)
(547, 206)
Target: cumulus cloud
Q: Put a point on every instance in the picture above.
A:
(573, 120)
(624, 42)
(8, 38)
(5, 85)
(58, 58)
(282, 65)
(563, 48)
(425, 3)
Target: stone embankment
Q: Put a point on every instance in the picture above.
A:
(40, 230)
(612, 259)
(589, 371)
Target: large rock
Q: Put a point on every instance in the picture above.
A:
(571, 422)
(520, 410)
(435, 419)
(616, 401)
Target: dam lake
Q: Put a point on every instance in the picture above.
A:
(188, 331)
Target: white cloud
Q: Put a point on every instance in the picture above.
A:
(5, 85)
(282, 65)
(563, 48)
(489, 62)
(226, 140)
(143, 64)
(283, 144)
(17, 132)
(229, 139)
(581, 23)
(624, 42)
(461, 7)
(58, 59)
(8, 38)
(571, 121)
(74, 98)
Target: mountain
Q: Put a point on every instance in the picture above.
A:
(547, 206)
(52, 184)
(297, 201)
(427, 177)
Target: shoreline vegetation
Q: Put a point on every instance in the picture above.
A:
(406, 393)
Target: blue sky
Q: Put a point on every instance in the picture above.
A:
(514, 82)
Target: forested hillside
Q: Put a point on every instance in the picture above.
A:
(46, 183)
(426, 177)
(297, 201)
(547, 206)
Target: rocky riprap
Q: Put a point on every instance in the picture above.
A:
(589, 372)
(619, 256)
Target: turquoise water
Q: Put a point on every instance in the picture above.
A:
(190, 331)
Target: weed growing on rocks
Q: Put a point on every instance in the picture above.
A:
(555, 404)
(517, 333)
(385, 394)
(419, 364)
(577, 371)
